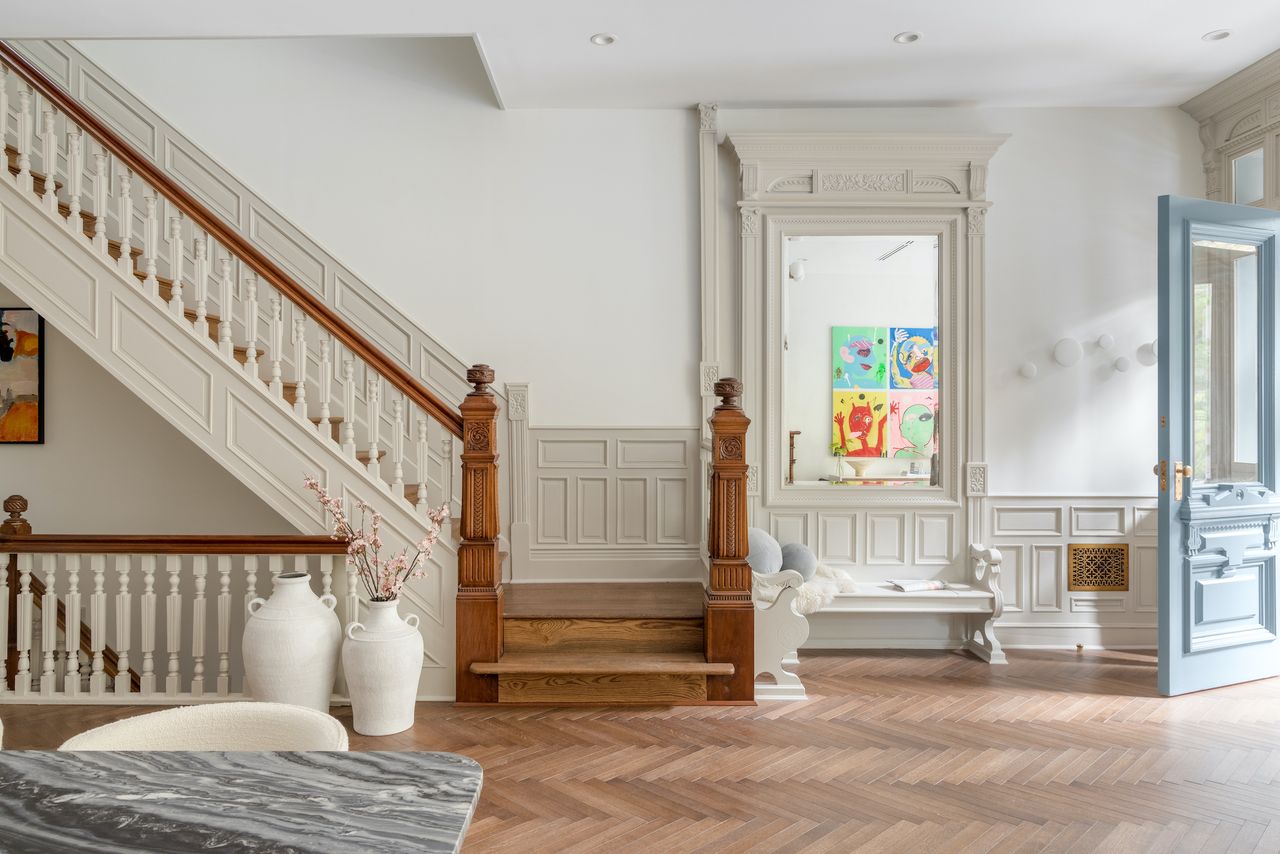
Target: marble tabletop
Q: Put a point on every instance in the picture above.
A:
(259, 802)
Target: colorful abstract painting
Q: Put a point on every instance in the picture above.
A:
(859, 357)
(913, 353)
(859, 419)
(913, 417)
(21, 376)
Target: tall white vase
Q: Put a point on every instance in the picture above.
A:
(382, 659)
(291, 644)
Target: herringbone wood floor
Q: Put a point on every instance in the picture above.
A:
(894, 752)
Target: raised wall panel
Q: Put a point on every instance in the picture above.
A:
(673, 511)
(56, 63)
(553, 510)
(886, 538)
(593, 510)
(65, 281)
(1146, 581)
(1098, 521)
(1047, 583)
(573, 453)
(287, 248)
(128, 122)
(633, 510)
(790, 527)
(836, 538)
(1146, 521)
(652, 454)
(202, 183)
(1013, 576)
(373, 321)
(933, 540)
(1097, 604)
(170, 371)
(271, 454)
(1013, 521)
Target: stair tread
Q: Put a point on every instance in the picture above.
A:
(595, 663)
(634, 600)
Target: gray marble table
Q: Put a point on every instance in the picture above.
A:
(277, 802)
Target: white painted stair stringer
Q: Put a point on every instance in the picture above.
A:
(208, 397)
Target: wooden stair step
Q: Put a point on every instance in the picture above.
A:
(589, 634)
(609, 679)
(596, 664)
(605, 600)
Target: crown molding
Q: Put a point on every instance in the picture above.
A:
(1244, 84)
(866, 147)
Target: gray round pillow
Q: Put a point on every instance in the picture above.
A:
(799, 557)
(764, 554)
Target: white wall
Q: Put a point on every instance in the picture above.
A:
(1071, 251)
(560, 246)
(110, 465)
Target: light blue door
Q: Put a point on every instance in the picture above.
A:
(1219, 512)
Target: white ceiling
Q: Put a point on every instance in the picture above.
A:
(673, 53)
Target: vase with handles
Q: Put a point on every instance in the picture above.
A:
(382, 660)
(291, 644)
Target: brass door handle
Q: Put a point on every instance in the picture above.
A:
(1180, 470)
(1161, 470)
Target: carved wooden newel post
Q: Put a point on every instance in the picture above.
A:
(729, 614)
(15, 526)
(479, 606)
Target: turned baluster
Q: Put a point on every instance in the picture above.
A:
(353, 592)
(300, 363)
(97, 623)
(224, 310)
(150, 243)
(49, 160)
(25, 179)
(124, 620)
(224, 625)
(397, 447)
(176, 262)
(4, 612)
(325, 425)
(71, 676)
(100, 189)
(75, 180)
(199, 571)
(49, 624)
(277, 344)
(200, 274)
(147, 681)
(446, 470)
(375, 421)
(423, 460)
(125, 213)
(275, 566)
(251, 325)
(22, 682)
(4, 134)
(326, 575)
(173, 624)
(349, 407)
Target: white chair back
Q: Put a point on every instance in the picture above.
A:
(218, 727)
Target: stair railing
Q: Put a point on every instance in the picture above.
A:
(245, 307)
(729, 612)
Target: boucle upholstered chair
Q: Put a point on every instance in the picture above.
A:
(218, 726)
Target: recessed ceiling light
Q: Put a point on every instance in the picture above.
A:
(603, 39)
(1216, 35)
(907, 38)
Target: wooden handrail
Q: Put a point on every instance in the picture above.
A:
(261, 265)
(171, 544)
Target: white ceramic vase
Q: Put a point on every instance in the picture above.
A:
(291, 644)
(382, 659)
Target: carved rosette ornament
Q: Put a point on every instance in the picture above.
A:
(977, 220)
(707, 117)
(976, 480)
(750, 222)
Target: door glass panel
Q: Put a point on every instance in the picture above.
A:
(1246, 178)
(1224, 383)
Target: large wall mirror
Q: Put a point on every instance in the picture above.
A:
(861, 360)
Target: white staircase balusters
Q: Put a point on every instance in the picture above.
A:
(201, 282)
(49, 161)
(397, 447)
(446, 470)
(326, 575)
(22, 681)
(277, 345)
(176, 263)
(75, 179)
(375, 421)
(4, 138)
(300, 363)
(199, 606)
(124, 634)
(349, 407)
(225, 310)
(325, 425)
(147, 605)
(173, 624)
(150, 244)
(49, 624)
(125, 213)
(4, 574)
(251, 325)
(25, 179)
(275, 566)
(71, 678)
(423, 460)
(101, 185)
(97, 623)
(224, 625)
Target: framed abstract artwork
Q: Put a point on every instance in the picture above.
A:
(21, 377)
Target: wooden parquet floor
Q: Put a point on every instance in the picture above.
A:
(893, 752)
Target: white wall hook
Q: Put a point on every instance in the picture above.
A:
(1106, 342)
(1121, 364)
(1029, 370)
(1067, 352)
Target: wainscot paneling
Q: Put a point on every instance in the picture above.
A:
(607, 503)
(1034, 534)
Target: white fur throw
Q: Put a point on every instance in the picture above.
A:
(220, 727)
(813, 595)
